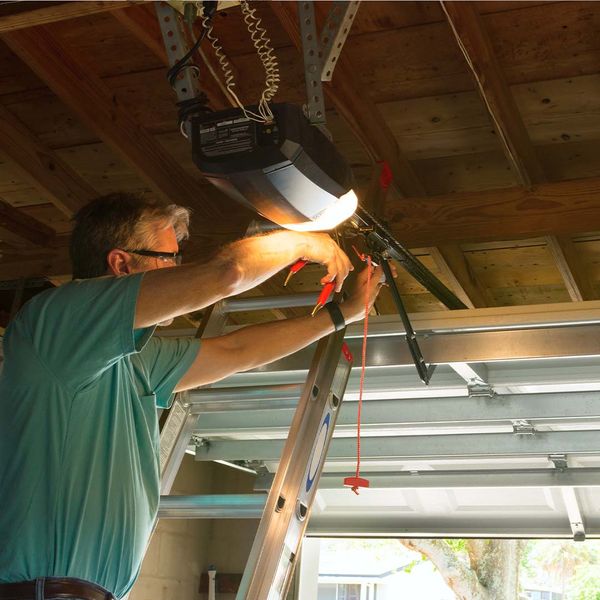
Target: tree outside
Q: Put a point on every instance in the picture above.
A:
(464, 569)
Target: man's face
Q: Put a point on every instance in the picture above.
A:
(166, 241)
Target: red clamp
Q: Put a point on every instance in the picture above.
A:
(294, 269)
(328, 288)
(323, 297)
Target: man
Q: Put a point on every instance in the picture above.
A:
(83, 376)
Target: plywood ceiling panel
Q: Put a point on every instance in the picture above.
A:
(570, 160)
(438, 126)
(467, 172)
(105, 45)
(425, 60)
(561, 110)
(102, 169)
(377, 16)
(58, 127)
(51, 216)
(14, 76)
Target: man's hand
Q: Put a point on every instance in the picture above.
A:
(320, 248)
(256, 345)
(167, 293)
(353, 308)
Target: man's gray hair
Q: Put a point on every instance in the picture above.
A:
(120, 220)
(170, 215)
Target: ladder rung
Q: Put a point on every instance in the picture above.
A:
(257, 397)
(231, 305)
(221, 506)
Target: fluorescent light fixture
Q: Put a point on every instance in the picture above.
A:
(288, 170)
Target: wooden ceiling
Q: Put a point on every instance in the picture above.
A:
(488, 114)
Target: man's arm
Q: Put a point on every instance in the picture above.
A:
(257, 345)
(168, 293)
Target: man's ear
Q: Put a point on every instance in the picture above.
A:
(119, 262)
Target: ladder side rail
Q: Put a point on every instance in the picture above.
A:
(273, 555)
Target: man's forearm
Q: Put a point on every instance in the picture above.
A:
(261, 344)
(256, 259)
(254, 346)
(167, 293)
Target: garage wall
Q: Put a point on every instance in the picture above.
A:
(181, 550)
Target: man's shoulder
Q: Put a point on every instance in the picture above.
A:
(75, 289)
(62, 299)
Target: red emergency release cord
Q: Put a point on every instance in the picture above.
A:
(357, 481)
(385, 179)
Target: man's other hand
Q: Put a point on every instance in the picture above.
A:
(353, 308)
(320, 248)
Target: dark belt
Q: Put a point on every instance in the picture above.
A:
(54, 587)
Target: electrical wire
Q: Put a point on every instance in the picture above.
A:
(183, 63)
(193, 106)
(262, 44)
(227, 71)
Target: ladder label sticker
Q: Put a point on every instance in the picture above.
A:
(318, 452)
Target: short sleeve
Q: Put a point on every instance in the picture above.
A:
(83, 327)
(166, 361)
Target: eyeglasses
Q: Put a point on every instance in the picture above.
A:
(174, 257)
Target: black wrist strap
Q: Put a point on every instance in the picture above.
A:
(336, 315)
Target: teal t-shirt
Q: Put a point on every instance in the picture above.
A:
(79, 466)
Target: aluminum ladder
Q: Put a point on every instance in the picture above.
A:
(276, 546)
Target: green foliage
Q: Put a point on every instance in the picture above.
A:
(457, 545)
(586, 583)
(567, 565)
(526, 565)
(409, 567)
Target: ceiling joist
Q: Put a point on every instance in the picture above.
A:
(86, 95)
(352, 102)
(451, 261)
(350, 99)
(15, 224)
(562, 208)
(53, 12)
(43, 167)
(470, 34)
(142, 22)
(472, 38)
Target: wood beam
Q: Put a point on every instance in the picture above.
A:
(451, 261)
(352, 102)
(85, 94)
(16, 224)
(473, 40)
(54, 264)
(574, 275)
(42, 166)
(142, 22)
(562, 208)
(346, 93)
(53, 12)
